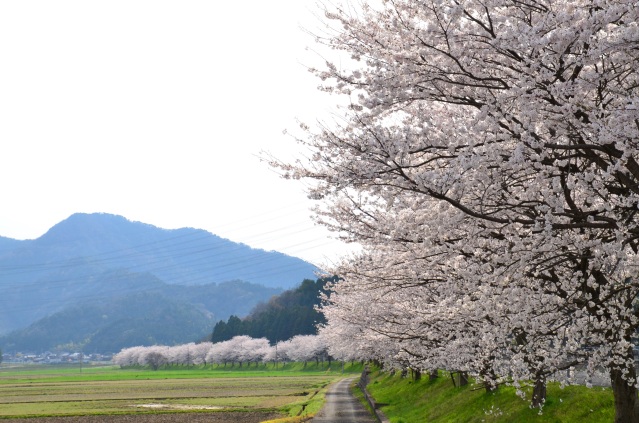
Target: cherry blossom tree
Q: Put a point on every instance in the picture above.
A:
(281, 351)
(500, 139)
(253, 350)
(128, 356)
(345, 341)
(239, 349)
(434, 321)
(199, 352)
(182, 354)
(154, 357)
(220, 353)
(302, 348)
(272, 355)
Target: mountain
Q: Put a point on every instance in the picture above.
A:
(91, 259)
(8, 244)
(179, 256)
(140, 318)
(163, 314)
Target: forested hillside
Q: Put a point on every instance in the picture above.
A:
(56, 288)
(282, 317)
(159, 314)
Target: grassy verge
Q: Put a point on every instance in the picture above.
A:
(357, 393)
(439, 401)
(307, 407)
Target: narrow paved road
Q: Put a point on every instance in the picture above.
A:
(342, 407)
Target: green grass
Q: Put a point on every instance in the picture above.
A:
(357, 393)
(106, 373)
(439, 401)
(291, 389)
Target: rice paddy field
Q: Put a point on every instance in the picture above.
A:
(108, 393)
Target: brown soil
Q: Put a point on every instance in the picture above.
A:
(219, 417)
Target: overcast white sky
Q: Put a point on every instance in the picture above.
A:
(157, 111)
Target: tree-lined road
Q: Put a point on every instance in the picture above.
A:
(342, 407)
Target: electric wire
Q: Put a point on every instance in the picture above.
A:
(184, 239)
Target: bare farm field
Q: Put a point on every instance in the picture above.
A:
(219, 417)
(109, 394)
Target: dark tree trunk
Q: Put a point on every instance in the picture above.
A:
(433, 374)
(463, 378)
(488, 375)
(625, 396)
(490, 387)
(539, 391)
(417, 375)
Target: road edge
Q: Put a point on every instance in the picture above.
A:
(363, 381)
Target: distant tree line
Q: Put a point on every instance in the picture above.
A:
(238, 350)
(284, 316)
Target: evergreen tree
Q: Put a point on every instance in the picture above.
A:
(289, 314)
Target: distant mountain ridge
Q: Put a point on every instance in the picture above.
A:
(177, 256)
(156, 314)
(101, 257)
(8, 244)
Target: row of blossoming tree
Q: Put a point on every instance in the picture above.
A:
(487, 163)
(238, 350)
